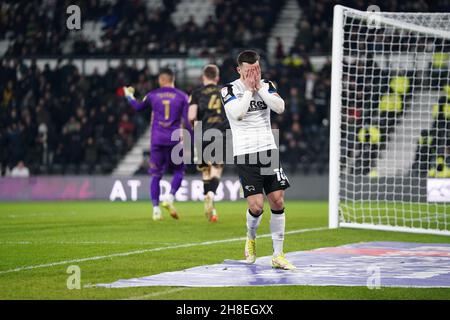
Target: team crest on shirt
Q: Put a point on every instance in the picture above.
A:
(224, 92)
(257, 105)
(227, 93)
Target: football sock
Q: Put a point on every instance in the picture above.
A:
(155, 190)
(176, 181)
(277, 225)
(253, 222)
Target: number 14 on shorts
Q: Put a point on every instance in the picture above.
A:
(281, 176)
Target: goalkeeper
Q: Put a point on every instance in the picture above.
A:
(169, 111)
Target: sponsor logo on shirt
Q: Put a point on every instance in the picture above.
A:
(257, 105)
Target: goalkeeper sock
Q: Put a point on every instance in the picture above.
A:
(155, 190)
(176, 181)
(253, 222)
(277, 226)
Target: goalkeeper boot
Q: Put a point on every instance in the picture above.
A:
(168, 205)
(250, 251)
(280, 262)
(157, 216)
(209, 205)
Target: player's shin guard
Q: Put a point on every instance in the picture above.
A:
(253, 222)
(155, 190)
(277, 226)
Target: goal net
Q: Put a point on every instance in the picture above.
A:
(390, 121)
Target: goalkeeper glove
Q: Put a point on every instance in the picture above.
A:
(129, 93)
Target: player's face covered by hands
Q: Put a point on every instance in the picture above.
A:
(251, 75)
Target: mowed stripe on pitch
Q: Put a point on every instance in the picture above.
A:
(136, 252)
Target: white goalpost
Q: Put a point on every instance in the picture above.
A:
(390, 121)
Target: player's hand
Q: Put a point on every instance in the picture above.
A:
(257, 77)
(249, 79)
(254, 73)
(129, 93)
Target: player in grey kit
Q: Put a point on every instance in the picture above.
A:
(169, 111)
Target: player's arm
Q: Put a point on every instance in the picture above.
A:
(185, 115)
(137, 105)
(192, 114)
(193, 108)
(269, 94)
(234, 106)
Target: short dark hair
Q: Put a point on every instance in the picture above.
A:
(248, 56)
(168, 72)
(211, 71)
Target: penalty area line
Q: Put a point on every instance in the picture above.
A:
(135, 252)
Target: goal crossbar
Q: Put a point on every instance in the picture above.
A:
(366, 15)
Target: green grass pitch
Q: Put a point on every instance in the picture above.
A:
(36, 234)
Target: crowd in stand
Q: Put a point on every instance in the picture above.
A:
(432, 157)
(61, 121)
(315, 27)
(128, 28)
(304, 124)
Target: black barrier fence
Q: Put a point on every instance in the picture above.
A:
(136, 188)
(109, 188)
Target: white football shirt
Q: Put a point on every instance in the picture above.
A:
(254, 132)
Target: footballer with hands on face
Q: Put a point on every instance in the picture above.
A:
(248, 102)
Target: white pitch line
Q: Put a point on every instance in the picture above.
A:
(129, 253)
(25, 242)
(39, 214)
(157, 294)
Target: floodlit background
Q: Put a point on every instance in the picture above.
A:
(60, 113)
(65, 124)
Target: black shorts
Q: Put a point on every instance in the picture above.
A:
(204, 166)
(258, 177)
